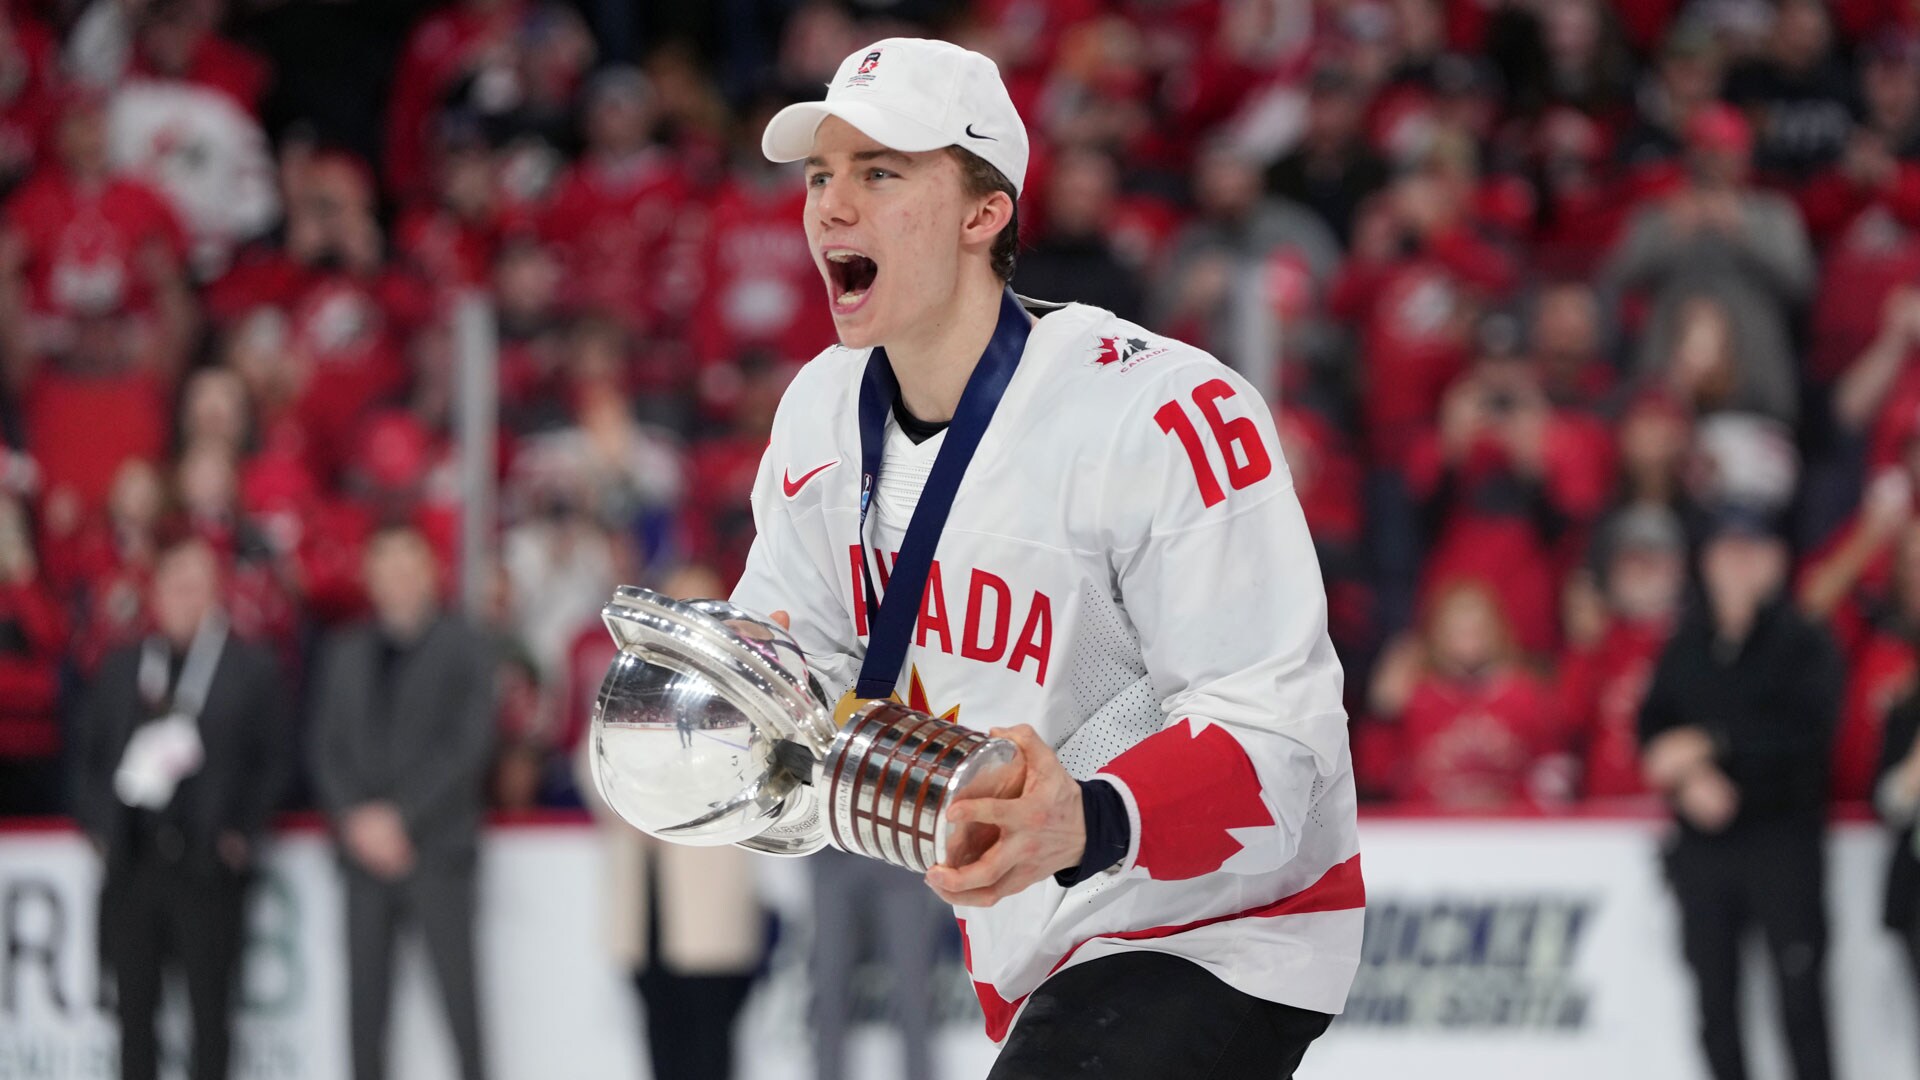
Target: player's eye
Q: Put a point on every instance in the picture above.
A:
(877, 174)
(817, 179)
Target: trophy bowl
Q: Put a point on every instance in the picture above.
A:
(710, 729)
(695, 724)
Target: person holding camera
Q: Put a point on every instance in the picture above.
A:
(1499, 481)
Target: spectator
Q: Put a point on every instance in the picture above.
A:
(255, 597)
(1505, 481)
(1880, 673)
(181, 755)
(1797, 94)
(165, 39)
(1567, 343)
(1654, 436)
(1615, 631)
(1581, 202)
(522, 95)
(33, 642)
(207, 155)
(617, 214)
(1890, 92)
(1475, 728)
(716, 515)
(1736, 732)
(80, 242)
(1413, 290)
(348, 317)
(1684, 81)
(1074, 259)
(1847, 578)
(1333, 171)
(1878, 396)
(27, 96)
(1719, 239)
(759, 287)
(1229, 264)
(1880, 164)
(685, 922)
(621, 469)
(403, 731)
(451, 240)
(1897, 797)
(1584, 61)
(102, 384)
(102, 565)
(559, 565)
(1328, 478)
(441, 49)
(526, 280)
(1864, 265)
(214, 410)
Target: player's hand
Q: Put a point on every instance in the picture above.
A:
(1043, 830)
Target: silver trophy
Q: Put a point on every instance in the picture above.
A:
(710, 729)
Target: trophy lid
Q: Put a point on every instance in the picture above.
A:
(689, 719)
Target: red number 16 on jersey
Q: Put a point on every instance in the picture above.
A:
(1239, 440)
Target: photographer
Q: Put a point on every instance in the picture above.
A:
(1500, 482)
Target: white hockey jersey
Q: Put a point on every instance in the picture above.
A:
(1127, 569)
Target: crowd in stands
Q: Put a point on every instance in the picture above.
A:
(1535, 287)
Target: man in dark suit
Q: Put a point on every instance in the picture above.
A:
(180, 758)
(402, 737)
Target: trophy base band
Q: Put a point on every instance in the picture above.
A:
(889, 775)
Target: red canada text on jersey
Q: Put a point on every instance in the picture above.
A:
(973, 617)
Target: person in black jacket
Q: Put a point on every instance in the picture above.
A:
(1736, 730)
(1897, 797)
(181, 758)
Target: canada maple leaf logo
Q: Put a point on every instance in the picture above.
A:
(917, 698)
(1115, 350)
(1193, 788)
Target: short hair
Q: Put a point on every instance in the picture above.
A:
(979, 179)
(402, 533)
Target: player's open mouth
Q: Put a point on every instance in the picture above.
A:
(850, 276)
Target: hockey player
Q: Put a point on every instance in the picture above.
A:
(1047, 521)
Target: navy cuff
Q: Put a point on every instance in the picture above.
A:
(1108, 833)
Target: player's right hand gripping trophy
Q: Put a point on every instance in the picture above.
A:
(710, 729)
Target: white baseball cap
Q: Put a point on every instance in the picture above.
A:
(912, 94)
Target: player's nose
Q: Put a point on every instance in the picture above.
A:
(835, 202)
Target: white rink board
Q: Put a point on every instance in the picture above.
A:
(1499, 950)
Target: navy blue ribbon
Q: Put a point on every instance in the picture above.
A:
(894, 615)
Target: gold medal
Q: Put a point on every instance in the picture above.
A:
(851, 703)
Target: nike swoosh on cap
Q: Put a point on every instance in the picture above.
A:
(792, 487)
(972, 134)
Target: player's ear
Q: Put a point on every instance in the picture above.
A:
(991, 214)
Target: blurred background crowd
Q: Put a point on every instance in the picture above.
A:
(1536, 287)
(1546, 295)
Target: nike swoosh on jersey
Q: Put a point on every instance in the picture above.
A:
(792, 487)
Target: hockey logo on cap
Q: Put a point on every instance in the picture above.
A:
(865, 74)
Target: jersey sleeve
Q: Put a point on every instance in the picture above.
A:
(1216, 569)
(789, 568)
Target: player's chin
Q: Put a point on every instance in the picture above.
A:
(858, 330)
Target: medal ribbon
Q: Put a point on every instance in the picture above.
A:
(894, 615)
